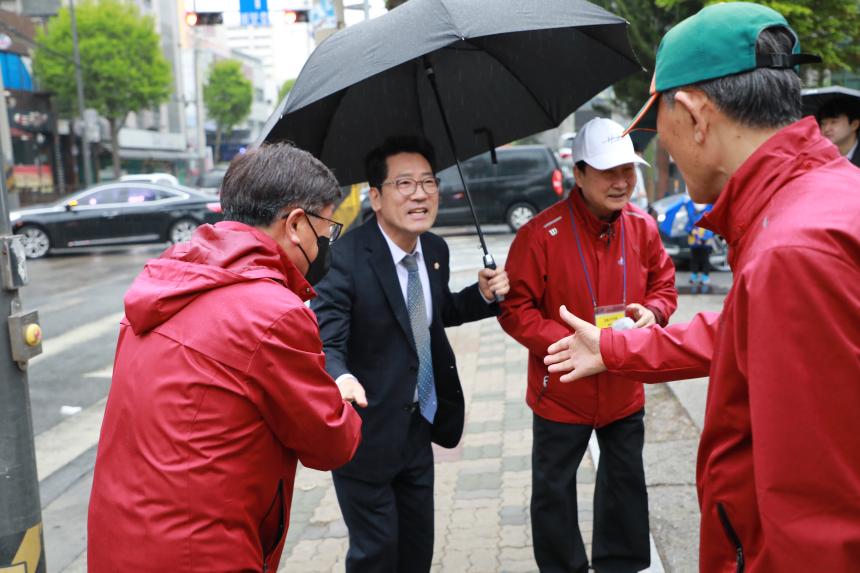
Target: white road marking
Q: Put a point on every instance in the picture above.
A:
(79, 335)
(67, 440)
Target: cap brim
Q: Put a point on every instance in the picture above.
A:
(612, 160)
(647, 116)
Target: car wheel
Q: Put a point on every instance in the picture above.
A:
(719, 257)
(181, 231)
(37, 243)
(519, 214)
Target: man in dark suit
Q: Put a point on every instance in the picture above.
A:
(839, 119)
(382, 311)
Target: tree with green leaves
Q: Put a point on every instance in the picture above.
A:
(828, 28)
(285, 88)
(122, 65)
(228, 95)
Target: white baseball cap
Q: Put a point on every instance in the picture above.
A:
(602, 144)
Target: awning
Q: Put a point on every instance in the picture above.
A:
(157, 154)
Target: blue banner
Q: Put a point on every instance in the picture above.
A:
(254, 12)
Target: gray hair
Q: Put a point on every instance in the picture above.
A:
(760, 98)
(265, 180)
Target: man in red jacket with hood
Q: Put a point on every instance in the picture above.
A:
(219, 383)
(779, 458)
(599, 254)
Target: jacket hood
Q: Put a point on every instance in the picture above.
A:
(791, 152)
(217, 256)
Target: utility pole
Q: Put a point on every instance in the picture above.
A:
(21, 539)
(79, 80)
(201, 112)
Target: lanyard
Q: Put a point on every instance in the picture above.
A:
(585, 267)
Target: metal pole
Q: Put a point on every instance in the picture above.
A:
(21, 538)
(367, 9)
(201, 112)
(79, 80)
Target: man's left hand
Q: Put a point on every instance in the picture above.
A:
(493, 283)
(641, 315)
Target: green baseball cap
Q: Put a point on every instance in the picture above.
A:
(717, 41)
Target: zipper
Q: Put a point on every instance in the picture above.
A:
(279, 500)
(543, 390)
(733, 537)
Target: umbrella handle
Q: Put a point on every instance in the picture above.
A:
(490, 263)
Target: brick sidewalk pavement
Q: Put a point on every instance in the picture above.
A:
(482, 487)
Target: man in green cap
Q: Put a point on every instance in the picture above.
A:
(779, 458)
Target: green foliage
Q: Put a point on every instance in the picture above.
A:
(829, 28)
(123, 67)
(648, 23)
(227, 94)
(285, 88)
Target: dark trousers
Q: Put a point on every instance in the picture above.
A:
(391, 523)
(700, 259)
(620, 536)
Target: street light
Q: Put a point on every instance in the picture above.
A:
(296, 16)
(204, 18)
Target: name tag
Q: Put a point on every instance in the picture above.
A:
(605, 316)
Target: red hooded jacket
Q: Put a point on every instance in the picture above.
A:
(219, 387)
(779, 459)
(545, 272)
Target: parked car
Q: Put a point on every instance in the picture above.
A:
(526, 180)
(673, 222)
(565, 148)
(113, 214)
(210, 182)
(160, 178)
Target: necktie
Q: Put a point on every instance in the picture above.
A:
(421, 333)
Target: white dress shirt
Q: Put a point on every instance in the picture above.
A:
(397, 255)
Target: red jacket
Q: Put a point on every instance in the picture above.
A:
(218, 388)
(546, 272)
(779, 459)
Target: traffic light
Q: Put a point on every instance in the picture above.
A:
(296, 16)
(204, 18)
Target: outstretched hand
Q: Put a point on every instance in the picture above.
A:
(578, 354)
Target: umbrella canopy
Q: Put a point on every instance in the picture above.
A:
(504, 69)
(814, 98)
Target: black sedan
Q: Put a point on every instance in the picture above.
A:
(115, 214)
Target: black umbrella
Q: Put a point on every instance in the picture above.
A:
(500, 70)
(814, 98)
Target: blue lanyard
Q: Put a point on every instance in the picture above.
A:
(585, 267)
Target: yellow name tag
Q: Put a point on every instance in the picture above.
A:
(605, 316)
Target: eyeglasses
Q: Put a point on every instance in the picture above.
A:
(334, 230)
(407, 186)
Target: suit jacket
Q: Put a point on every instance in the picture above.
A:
(366, 331)
(855, 159)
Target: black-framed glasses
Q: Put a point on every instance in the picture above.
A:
(407, 186)
(334, 230)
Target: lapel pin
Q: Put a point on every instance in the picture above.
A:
(436, 266)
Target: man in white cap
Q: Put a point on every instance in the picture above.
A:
(595, 252)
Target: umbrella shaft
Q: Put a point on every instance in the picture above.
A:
(431, 75)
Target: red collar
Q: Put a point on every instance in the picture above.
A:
(791, 152)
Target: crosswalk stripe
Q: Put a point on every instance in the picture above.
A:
(80, 335)
(67, 440)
